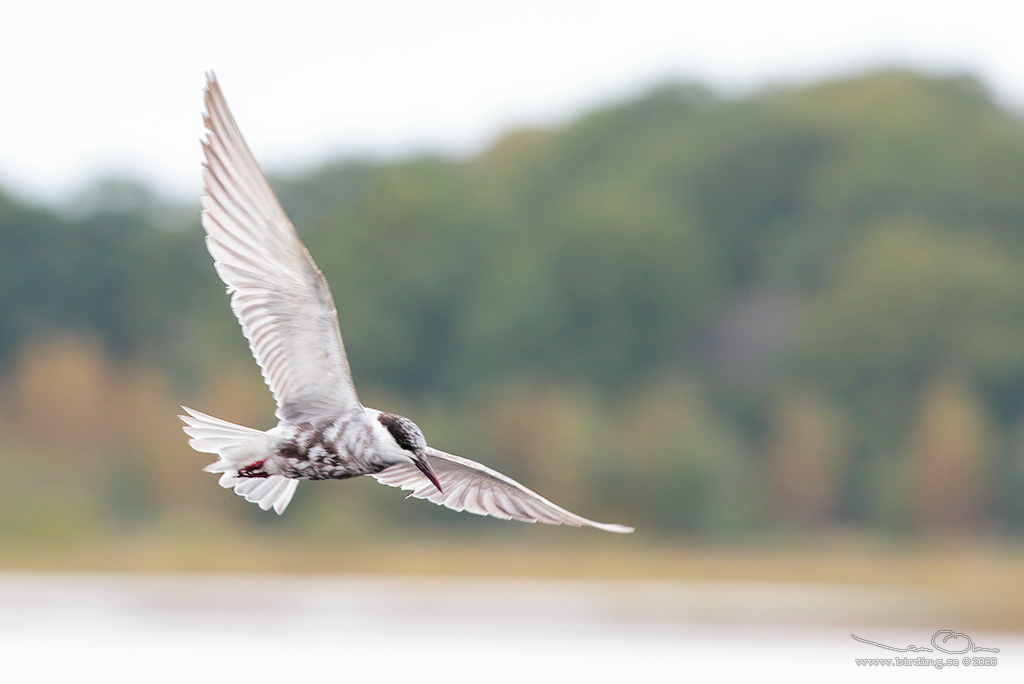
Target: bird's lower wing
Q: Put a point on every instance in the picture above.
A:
(473, 487)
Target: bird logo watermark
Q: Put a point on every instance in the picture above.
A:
(943, 641)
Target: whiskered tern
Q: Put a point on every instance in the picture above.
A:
(286, 311)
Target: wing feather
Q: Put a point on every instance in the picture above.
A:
(473, 487)
(279, 296)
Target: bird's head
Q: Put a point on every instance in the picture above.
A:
(411, 443)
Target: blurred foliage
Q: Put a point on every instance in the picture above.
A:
(799, 310)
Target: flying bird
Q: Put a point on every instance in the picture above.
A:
(288, 316)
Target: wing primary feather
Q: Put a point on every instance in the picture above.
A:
(474, 487)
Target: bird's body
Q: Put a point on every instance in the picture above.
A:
(328, 449)
(286, 311)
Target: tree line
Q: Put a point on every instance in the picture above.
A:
(796, 310)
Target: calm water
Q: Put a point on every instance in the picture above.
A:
(199, 628)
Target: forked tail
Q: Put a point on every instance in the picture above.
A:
(238, 447)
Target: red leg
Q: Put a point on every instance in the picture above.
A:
(253, 470)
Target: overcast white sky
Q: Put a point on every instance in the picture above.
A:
(114, 86)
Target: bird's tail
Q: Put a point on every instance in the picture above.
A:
(237, 447)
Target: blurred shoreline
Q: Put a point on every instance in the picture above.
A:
(969, 584)
(50, 596)
(111, 627)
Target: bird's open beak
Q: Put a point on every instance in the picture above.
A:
(425, 468)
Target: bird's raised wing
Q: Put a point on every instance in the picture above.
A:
(278, 294)
(473, 487)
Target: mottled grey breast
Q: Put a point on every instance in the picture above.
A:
(330, 449)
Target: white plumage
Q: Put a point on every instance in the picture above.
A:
(475, 488)
(284, 305)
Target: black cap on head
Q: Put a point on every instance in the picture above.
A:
(405, 432)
